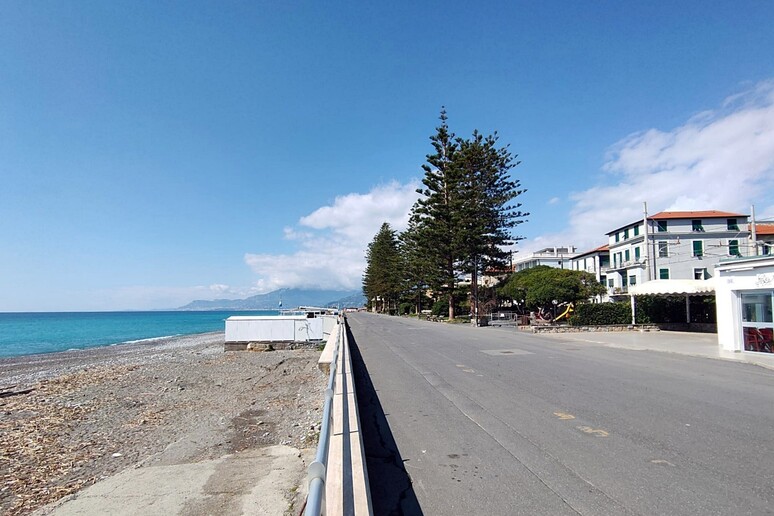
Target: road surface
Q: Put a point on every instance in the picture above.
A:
(494, 421)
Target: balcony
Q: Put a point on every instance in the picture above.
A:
(638, 262)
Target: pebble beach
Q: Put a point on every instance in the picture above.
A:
(71, 419)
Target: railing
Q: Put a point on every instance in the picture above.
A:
(315, 503)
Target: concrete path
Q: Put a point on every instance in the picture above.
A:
(703, 345)
(264, 481)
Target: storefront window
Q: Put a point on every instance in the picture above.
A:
(756, 308)
(758, 321)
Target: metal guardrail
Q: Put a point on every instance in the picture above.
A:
(315, 502)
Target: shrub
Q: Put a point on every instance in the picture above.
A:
(589, 314)
(441, 308)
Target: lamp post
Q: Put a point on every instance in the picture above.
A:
(555, 302)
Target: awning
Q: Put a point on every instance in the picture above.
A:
(673, 287)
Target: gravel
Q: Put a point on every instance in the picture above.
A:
(68, 420)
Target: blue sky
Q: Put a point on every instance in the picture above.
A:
(154, 153)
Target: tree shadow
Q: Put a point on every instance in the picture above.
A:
(391, 490)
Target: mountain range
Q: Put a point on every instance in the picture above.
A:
(290, 298)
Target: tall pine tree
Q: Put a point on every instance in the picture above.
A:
(435, 215)
(383, 276)
(488, 210)
(462, 222)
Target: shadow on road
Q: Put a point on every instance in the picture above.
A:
(391, 490)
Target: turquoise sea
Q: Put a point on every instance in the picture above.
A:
(49, 332)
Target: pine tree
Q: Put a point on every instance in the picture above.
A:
(435, 214)
(487, 210)
(382, 279)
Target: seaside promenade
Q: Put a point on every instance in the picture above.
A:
(220, 460)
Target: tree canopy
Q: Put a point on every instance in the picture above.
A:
(383, 277)
(462, 222)
(540, 286)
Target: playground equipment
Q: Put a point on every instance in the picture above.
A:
(570, 309)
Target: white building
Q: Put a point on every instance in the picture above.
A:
(744, 290)
(679, 245)
(593, 262)
(557, 257)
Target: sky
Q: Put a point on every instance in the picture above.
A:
(153, 153)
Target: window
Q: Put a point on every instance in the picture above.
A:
(698, 248)
(636, 230)
(700, 274)
(618, 259)
(632, 280)
(731, 225)
(696, 225)
(611, 283)
(636, 253)
(733, 248)
(766, 249)
(617, 236)
(757, 319)
(627, 256)
(663, 274)
(663, 249)
(626, 234)
(662, 226)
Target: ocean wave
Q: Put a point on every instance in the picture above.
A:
(145, 341)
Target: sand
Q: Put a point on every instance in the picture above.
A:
(77, 419)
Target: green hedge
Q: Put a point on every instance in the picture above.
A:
(589, 314)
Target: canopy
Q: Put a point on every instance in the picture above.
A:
(673, 287)
(683, 287)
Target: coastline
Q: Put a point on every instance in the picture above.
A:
(23, 369)
(91, 414)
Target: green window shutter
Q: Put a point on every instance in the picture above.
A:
(636, 230)
(663, 273)
(637, 252)
(698, 248)
(733, 247)
(662, 225)
(732, 225)
(627, 255)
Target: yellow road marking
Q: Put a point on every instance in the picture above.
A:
(564, 415)
(593, 431)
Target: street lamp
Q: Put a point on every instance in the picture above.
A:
(555, 302)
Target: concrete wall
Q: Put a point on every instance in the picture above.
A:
(273, 328)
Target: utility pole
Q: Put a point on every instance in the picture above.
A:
(753, 231)
(649, 266)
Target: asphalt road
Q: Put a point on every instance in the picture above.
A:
(493, 421)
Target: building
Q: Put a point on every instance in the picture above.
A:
(557, 257)
(744, 290)
(674, 245)
(764, 236)
(593, 262)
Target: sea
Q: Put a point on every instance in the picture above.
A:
(51, 332)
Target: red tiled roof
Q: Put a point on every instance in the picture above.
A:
(662, 215)
(599, 249)
(764, 229)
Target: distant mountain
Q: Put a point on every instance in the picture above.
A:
(355, 300)
(291, 298)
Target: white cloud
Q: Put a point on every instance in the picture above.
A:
(553, 200)
(332, 244)
(721, 160)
